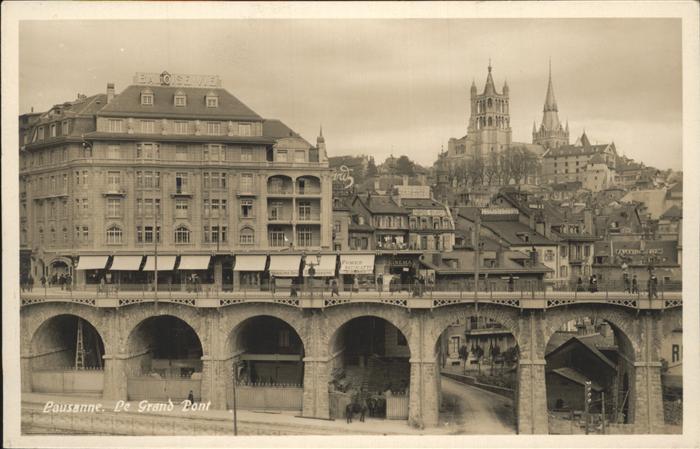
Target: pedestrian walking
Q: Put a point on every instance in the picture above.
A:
(43, 281)
(69, 282)
(626, 282)
(380, 283)
(293, 291)
(190, 397)
(30, 283)
(511, 282)
(653, 284)
(635, 285)
(355, 284)
(62, 281)
(579, 284)
(334, 288)
(593, 284)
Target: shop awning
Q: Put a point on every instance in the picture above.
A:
(285, 265)
(126, 263)
(92, 262)
(194, 262)
(326, 267)
(356, 263)
(249, 262)
(165, 263)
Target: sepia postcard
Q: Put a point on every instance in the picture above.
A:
(350, 224)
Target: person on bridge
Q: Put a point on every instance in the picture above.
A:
(579, 284)
(190, 397)
(593, 283)
(511, 281)
(626, 281)
(43, 281)
(635, 285)
(380, 283)
(653, 284)
(334, 288)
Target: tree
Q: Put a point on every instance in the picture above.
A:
(405, 166)
(475, 170)
(478, 353)
(492, 169)
(371, 168)
(464, 355)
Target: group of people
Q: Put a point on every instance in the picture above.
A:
(630, 285)
(63, 280)
(192, 283)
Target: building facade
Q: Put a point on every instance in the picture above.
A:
(186, 170)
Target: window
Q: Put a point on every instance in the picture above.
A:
(114, 178)
(586, 250)
(675, 353)
(114, 207)
(182, 234)
(212, 100)
(549, 255)
(246, 185)
(216, 232)
(87, 151)
(276, 208)
(213, 128)
(147, 126)
(246, 208)
(147, 151)
(146, 234)
(247, 236)
(277, 238)
(41, 235)
(114, 235)
(246, 154)
(563, 271)
(86, 233)
(113, 152)
(282, 156)
(181, 152)
(299, 156)
(180, 127)
(114, 125)
(65, 127)
(53, 130)
(85, 177)
(181, 182)
(206, 208)
(181, 208)
(304, 236)
(147, 98)
(244, 129)
(180, 99)
(304, 210)
(41, 133)
(212, 152)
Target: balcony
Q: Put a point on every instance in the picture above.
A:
(309, 218)
(181, 192)
(279, 191)
(114, 190)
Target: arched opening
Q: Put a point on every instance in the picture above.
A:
(66, 357)
(308, 185)
(164, 360)
(478, 359)
(58, 268)
(370, 364)
(268, 356)
(279, 185)
(585, 355)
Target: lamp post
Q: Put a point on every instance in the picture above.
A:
(312, 271)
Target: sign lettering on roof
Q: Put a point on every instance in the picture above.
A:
(343, 176)
(176, 80)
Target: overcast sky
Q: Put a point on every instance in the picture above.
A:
(383, 86)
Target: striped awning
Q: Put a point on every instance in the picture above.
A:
(126, 263)
(194, 262)
(92, 262)
(165, 263)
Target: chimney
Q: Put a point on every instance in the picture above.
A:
(588, 221)
(110, 92)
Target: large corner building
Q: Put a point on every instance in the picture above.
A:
(174, 164)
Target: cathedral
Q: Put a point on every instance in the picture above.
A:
(551, 133)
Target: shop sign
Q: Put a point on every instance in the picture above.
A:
(176, 80)
(356, 264)
(402, 261)
(343, 176)
(637, 252)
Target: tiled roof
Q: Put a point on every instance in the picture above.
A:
(510, 231)
(574, 340)
(70, 109)
(420, 203)
(508, 265)
(573, 150)
(276, 129)
(673, 212)
(575, 376)
(129, 102)
(379, 204)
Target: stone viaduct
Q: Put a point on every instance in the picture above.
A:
(640, 323)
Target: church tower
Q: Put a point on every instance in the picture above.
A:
(551, 133)
(489, 123)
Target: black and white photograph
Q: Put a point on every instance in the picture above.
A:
(411, 223)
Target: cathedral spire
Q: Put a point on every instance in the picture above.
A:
(490, 88)
(550, 104)
(552, 133)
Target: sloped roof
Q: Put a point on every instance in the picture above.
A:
(510, 231)
(70, 109)
(575, 376)
(129, 102)
(589, 346)
(276, 129)
(421, 203)
(381, 204)
(508, 265)
(673, 212)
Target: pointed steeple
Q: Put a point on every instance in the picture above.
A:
(320, 135)
(550, 103)
(490, 88)
(506, 89)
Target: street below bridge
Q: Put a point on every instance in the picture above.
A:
(470, 410)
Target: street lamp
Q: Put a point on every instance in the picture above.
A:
(312, 270)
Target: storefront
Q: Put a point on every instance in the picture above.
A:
(193, 271)
(126, 270)
(166, 265)
(91, 269)
(248, 271)
(397, 269)
(324, 269)
(285, 269)
(358, 270)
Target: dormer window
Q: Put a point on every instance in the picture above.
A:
(180, 99)
(212, 100)
(147, 97)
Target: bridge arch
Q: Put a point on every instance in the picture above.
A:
(444, 316)
(137, 314)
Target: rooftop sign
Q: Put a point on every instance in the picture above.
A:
(176, 80)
